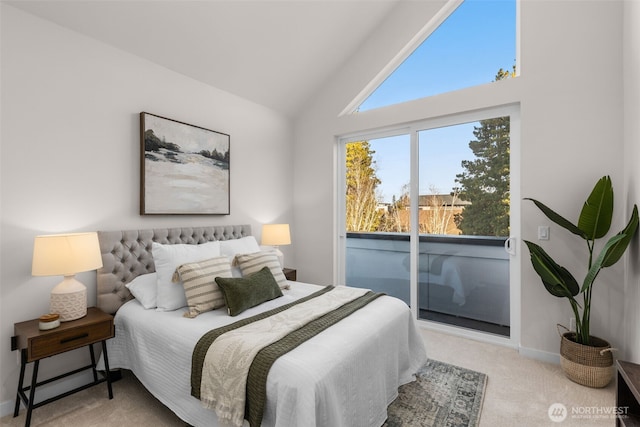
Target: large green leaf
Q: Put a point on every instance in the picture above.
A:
(556, 279)
(597, 264)
(558, 219)
(616, 251)
(597, 211)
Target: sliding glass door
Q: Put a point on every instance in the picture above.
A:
(427, 213)
(377, 216)
(463, 269)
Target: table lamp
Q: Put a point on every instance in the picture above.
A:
(65, 255)
(276, 235)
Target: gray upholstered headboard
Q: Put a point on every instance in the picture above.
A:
(127, 254)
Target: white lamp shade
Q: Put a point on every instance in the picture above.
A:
(65, 254)
(276, 234)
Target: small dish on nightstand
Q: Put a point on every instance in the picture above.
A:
(48, 321)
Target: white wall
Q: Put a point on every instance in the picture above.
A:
(570, 95)
(571, 135)
(70, 157)
(631, 67)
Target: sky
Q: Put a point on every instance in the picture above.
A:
(466, 50)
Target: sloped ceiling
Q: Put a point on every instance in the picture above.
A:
(274, 53)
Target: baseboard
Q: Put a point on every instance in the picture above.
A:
(543, 356)
(6, 408)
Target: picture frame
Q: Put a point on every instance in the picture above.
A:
(184, 169)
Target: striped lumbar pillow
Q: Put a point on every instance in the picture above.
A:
(252, 263)
(200, 287)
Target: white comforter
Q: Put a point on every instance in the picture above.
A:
(344, 377)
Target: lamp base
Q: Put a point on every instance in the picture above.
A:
(280, 256)
(69, 299)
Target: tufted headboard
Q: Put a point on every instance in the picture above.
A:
(127, 254)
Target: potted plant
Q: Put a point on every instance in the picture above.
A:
(584, 358)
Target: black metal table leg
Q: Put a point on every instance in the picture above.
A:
(32, 392)
(23, 364)
(106, 367)
(93, 363)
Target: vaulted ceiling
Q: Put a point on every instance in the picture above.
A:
(275, 53)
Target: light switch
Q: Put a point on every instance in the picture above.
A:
(543, 232)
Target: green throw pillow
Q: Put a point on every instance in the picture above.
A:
(245, 292)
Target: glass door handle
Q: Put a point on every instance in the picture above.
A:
(510, 246)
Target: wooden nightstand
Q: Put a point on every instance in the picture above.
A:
(35, 344)
(290, 273)
(628, 394)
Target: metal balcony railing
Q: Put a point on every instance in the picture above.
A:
(463, 280)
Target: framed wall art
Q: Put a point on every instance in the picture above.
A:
(184, 168)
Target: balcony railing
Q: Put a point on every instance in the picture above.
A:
(463, 280)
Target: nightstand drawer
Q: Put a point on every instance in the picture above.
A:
(50, 344)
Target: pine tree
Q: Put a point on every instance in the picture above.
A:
(485, 180)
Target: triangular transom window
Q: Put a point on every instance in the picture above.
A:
(468, 49)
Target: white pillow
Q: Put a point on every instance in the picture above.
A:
(167, 258)
(144, 289)
(244, 245)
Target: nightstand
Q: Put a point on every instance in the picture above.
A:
(627, 394)
(290, 273)
(35, 345)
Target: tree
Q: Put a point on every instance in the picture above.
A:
(153, 143)
(362, 206)
(396, 217)
(485, 180)
(439, 217)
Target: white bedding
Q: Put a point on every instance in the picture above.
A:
(344, 377)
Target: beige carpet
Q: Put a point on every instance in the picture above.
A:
(519, 393)
(519, 390)
(131, 405)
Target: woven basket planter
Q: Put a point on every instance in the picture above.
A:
(589, 365)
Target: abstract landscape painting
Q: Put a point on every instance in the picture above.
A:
(184, 168)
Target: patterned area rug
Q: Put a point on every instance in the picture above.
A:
(442, 395)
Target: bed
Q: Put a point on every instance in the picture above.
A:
(346, 375)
